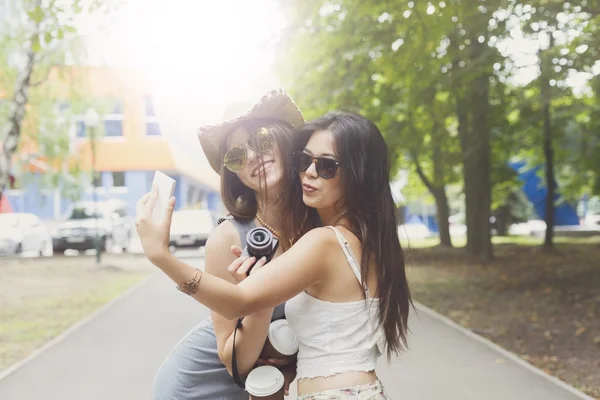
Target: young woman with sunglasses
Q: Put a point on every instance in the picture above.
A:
(248, 152)
(346, 290)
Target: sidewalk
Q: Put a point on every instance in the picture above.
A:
(116, 355)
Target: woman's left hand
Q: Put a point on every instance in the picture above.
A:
(239, 268)
(154, 237)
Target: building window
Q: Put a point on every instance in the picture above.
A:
(191, 195)
(62, 107)
(152, 125)
(149, 105)
(195, 195)
(113, 127)
(118, 179)
(97, 180)
(80, 129)
(117, 107)
(152, 129)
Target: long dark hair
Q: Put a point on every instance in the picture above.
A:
(365, 177)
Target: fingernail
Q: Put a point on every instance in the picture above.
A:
(263, 259)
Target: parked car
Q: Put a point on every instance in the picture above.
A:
(22, 233)
(109, 219)
(534, 227)
(413, 230)
(591, 220)
(191, 228)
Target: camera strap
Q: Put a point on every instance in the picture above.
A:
(234, 367)
(243, 228)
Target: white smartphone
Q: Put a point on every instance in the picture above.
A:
(166, 187)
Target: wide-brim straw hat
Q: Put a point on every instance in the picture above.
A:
(274, 105)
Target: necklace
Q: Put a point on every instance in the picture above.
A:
(276, 233)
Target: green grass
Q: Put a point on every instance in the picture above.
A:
(39, 300)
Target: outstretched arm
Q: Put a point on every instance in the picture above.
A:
(302, 266)
(305, 264)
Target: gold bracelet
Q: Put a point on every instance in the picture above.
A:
(191, 287)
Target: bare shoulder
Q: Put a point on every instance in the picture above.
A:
(218, 254)
(224, 233)
(347, 235)
(317, 240)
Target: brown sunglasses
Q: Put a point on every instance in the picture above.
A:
(260, 141)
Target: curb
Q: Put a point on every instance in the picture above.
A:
(71, 329)
(62, 256)
(507, 354)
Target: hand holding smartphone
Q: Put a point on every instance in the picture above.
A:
(166, 187)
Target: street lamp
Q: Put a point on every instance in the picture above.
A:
(92, 119)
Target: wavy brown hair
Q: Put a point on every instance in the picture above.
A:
(365, 178)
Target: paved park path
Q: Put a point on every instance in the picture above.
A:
(115, 355)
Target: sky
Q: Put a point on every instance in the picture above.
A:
(200, 55)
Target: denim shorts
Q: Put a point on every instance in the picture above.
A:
(369, 391)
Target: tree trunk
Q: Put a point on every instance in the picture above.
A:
(468, 134)
(473, 132)
(12, 130)
(439, 189)
(443, 213)
(548, 151)
(477, 166)
(470, 89)
(441, 203)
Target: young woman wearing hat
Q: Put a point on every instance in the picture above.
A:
(344, 284)
(248, 153)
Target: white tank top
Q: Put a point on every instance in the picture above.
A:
(336, 337)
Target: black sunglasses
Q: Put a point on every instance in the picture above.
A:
(325, 167)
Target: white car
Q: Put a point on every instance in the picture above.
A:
(592, 220)
(533, 227)
(191, 228)
(416, 230)
(23, 233)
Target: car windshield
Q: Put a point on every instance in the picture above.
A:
(81, 212)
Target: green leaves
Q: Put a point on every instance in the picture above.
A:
(46, 32)
(389, 61)
(36, 14)
(405, 64)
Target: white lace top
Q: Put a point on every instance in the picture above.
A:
(336, 337)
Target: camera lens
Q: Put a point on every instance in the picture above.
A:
(259, 242)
